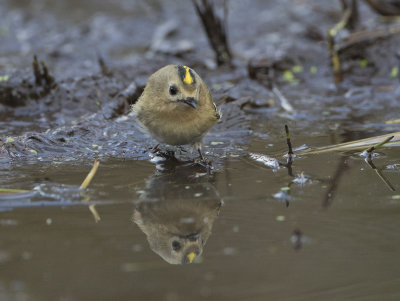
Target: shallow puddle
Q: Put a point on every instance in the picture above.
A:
(299, 248)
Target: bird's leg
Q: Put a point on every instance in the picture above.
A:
(170, 154)
(165, 154)
(200, 154)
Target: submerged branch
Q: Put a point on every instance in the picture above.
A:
(329, 195)
(380, 175)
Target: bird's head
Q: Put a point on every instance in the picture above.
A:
(178, 86)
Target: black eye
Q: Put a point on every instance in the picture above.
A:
(176, 246)
(173, 90)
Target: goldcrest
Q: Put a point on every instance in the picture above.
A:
(176, 107)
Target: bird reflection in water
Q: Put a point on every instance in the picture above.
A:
(177, 210)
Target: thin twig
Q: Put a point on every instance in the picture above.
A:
(289, 162)
(13, 191)
(370, 36)
(353, 145)
(332, 33)
(378, 145)
(354, 13)
(289, 143)
(90, 175)
(36, 70)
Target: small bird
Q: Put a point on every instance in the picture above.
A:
(176, 107)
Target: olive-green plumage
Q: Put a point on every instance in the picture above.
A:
(176, 107)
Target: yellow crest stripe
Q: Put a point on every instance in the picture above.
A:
(188, 79)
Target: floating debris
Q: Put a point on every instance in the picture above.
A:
(282, 196)
(393, 167)
(301, 179)
(280, 218)
(264, 159)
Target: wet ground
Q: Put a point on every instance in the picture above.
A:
(326, 228)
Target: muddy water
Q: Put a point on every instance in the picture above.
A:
(325, 229)
(348, 248)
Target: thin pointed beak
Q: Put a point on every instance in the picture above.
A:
(191, 101)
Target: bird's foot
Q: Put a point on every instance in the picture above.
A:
(155, 149)
(204, 162)
(164, 154)
(167, 154)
